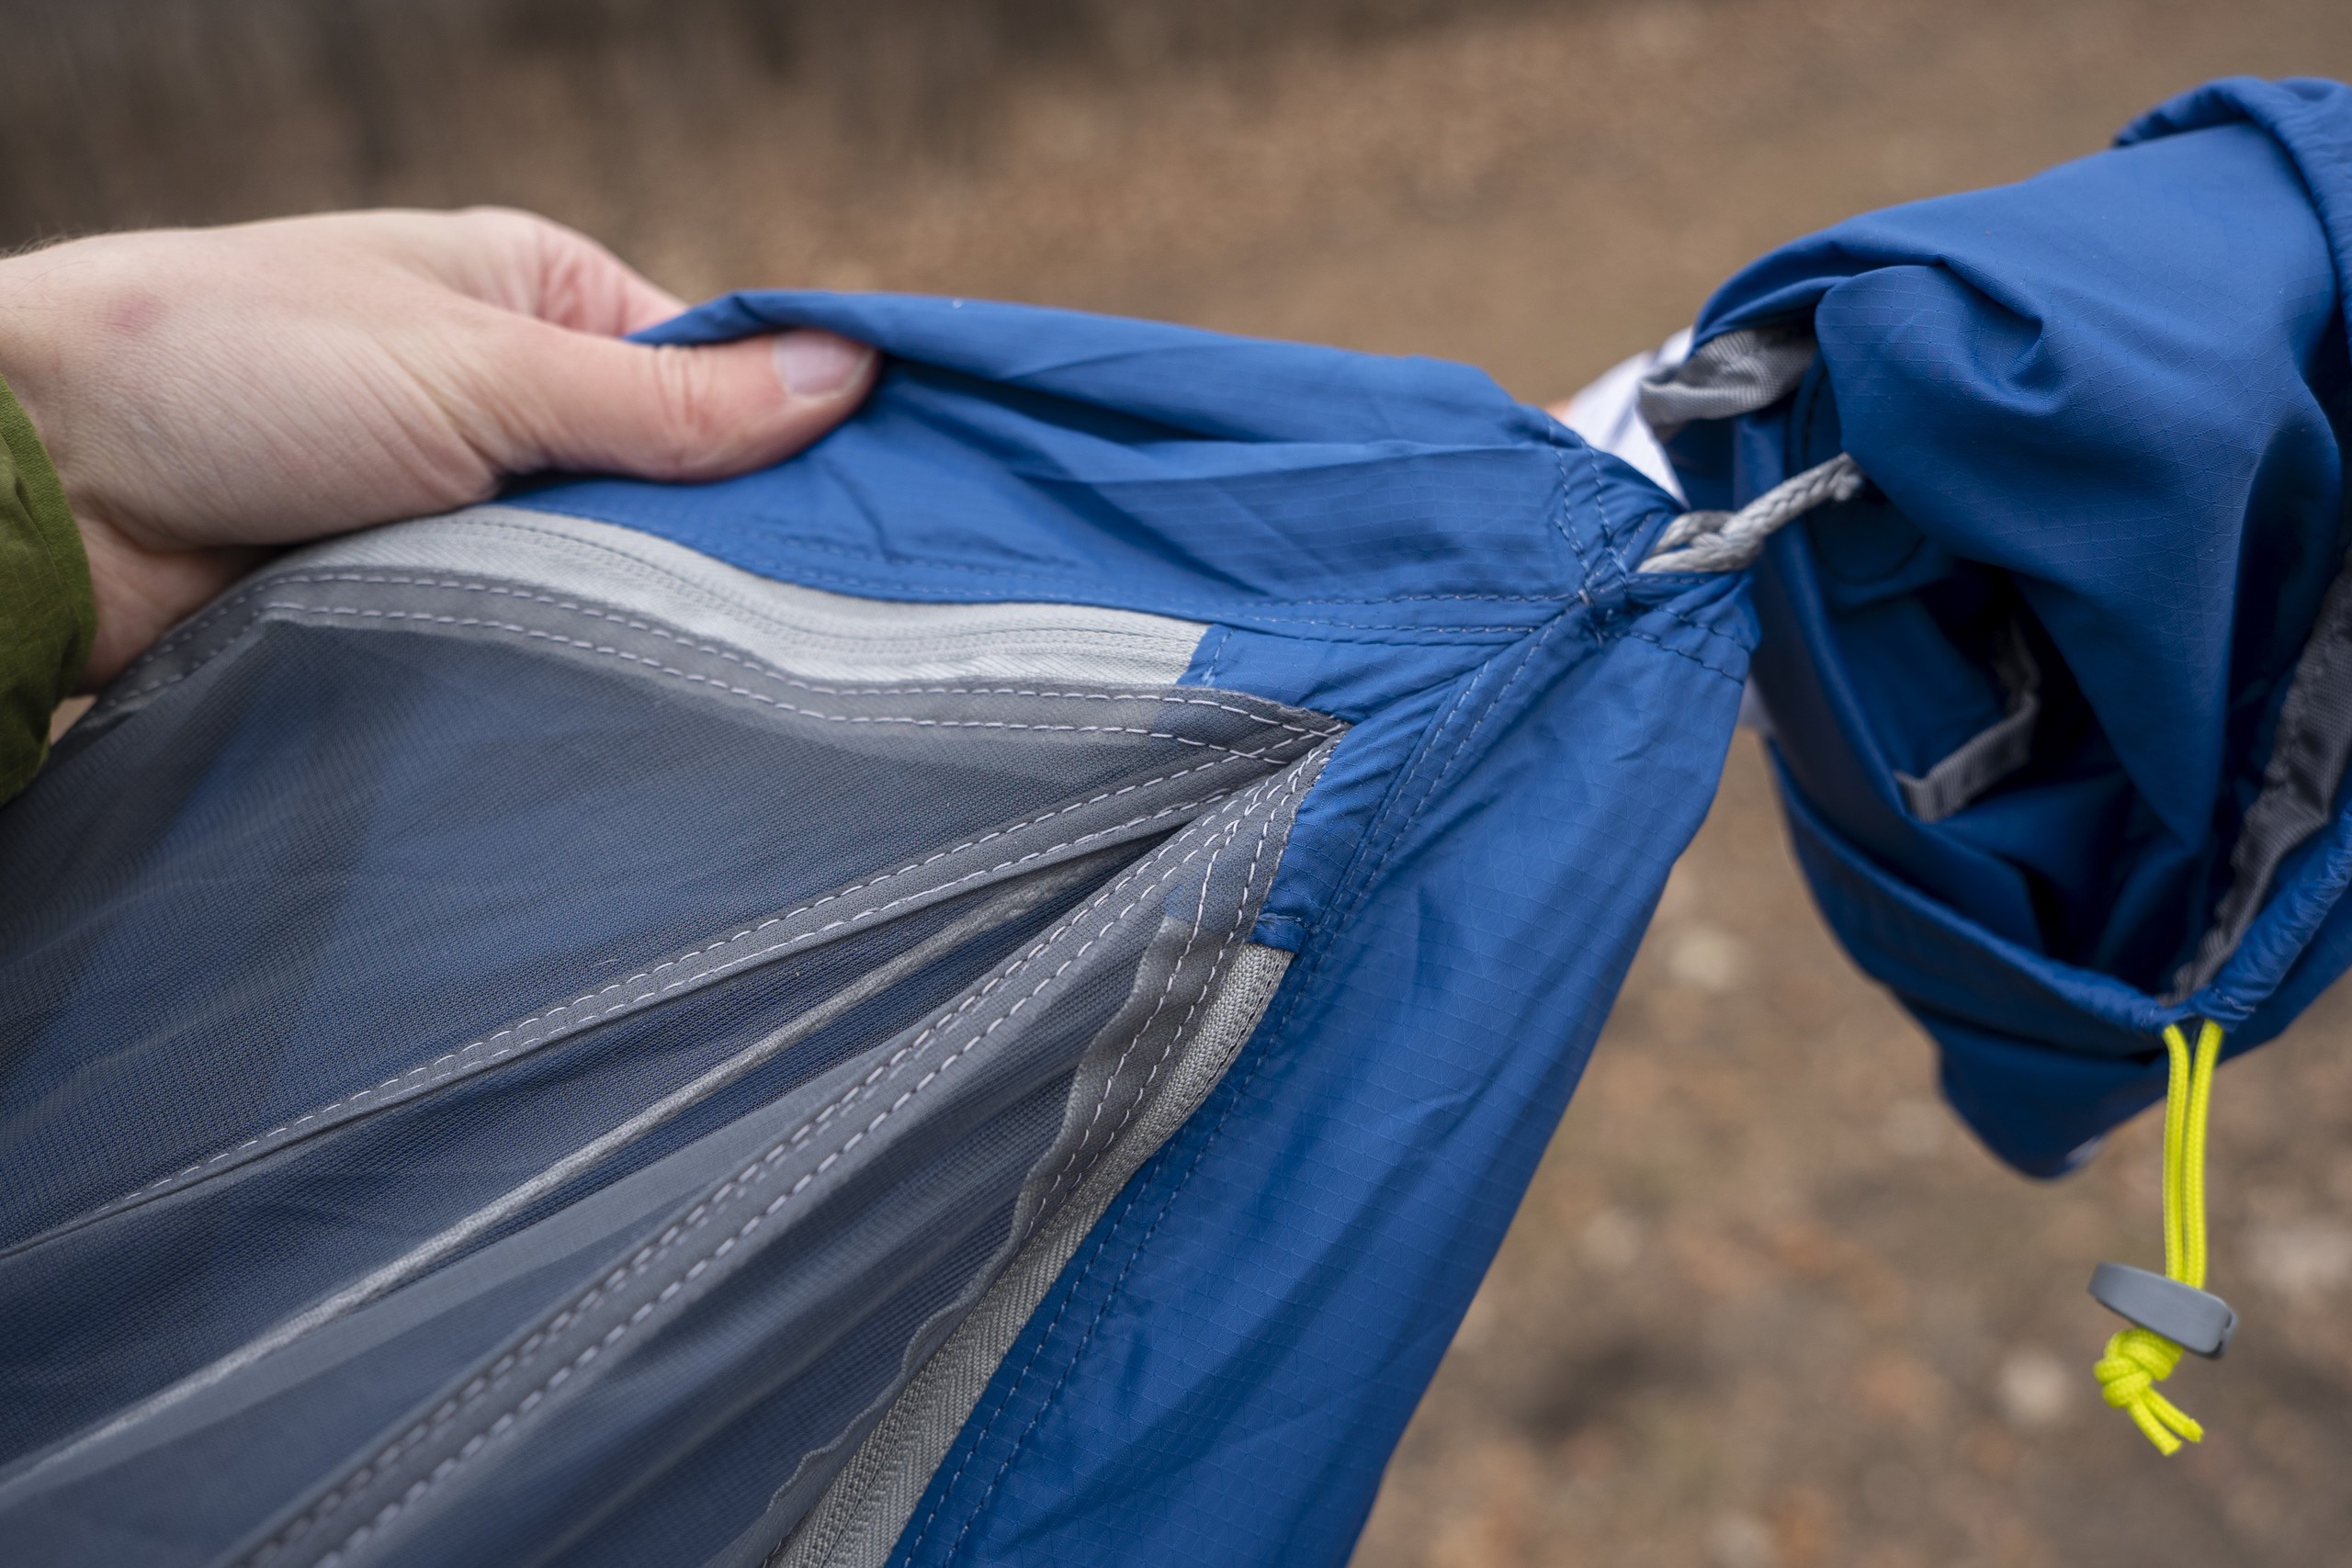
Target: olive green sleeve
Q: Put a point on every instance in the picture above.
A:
(47, 618)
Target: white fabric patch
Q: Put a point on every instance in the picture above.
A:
(1608, 416)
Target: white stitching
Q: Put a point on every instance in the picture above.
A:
(646, 999)
(715, 650)
(1201, 995)
(690, 677)
(647, 1254)
(1037, 1350)
(1208, 611)
(1200, 917)
(250, 1144)
(720, 652)
(1167, 990)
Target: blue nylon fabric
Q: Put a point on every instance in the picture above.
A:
(2109, 401)
(1222, 1371)
(1018, 452)
(1356, 529)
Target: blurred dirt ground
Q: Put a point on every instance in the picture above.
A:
(1766, 1303)
(1766, 1306)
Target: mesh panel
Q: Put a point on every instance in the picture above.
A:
(399, 955)
(117, 1309)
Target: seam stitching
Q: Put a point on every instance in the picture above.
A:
(1167, 990)
(1567, 524)
(689, 676)
(1240, 1093)
(1240, 1090)
(1679, 653)
(425, 1071)
(653, 1251)
(1077, 1350)
(1158, 1006)
(1127, 1204)
(222, 608)
(731, 656)
(1610, 526)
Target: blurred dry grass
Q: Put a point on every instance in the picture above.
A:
(1766, 1306)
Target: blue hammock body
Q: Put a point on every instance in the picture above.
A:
(2104, 411)
(530, 761)
(988, 993)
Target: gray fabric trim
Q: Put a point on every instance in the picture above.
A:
(1214, 742)
(815, 635)
(617, 636)
(2299, 784)
(434, 1475)
(1991, 755)
(1737, 373)
(861, 1515)
(1135, 811)
(420, 1259)
(587, 1227)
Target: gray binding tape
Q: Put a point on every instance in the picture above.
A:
(2307, 764)
(2195, 1320)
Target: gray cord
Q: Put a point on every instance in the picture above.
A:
(1727, 541)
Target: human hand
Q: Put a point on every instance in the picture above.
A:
(209, 394)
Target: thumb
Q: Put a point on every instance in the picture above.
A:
(599, 404)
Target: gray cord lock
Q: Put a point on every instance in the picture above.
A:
(2195, 1320)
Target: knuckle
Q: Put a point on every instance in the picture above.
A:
(693, 417)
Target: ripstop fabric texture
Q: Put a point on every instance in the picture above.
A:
(715, 1023)
(457, 934)
(1221, 1371)
(2103, 412)
(512, 1067)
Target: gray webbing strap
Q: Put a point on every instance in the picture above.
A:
(1727, 377)
(1991, 755)
(1723, 377)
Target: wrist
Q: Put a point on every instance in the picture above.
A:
(121, 589)
(48, 615)
(33, 352)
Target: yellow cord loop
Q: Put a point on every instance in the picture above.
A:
(2139, 1359)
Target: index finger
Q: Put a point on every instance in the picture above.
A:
(536, 267)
